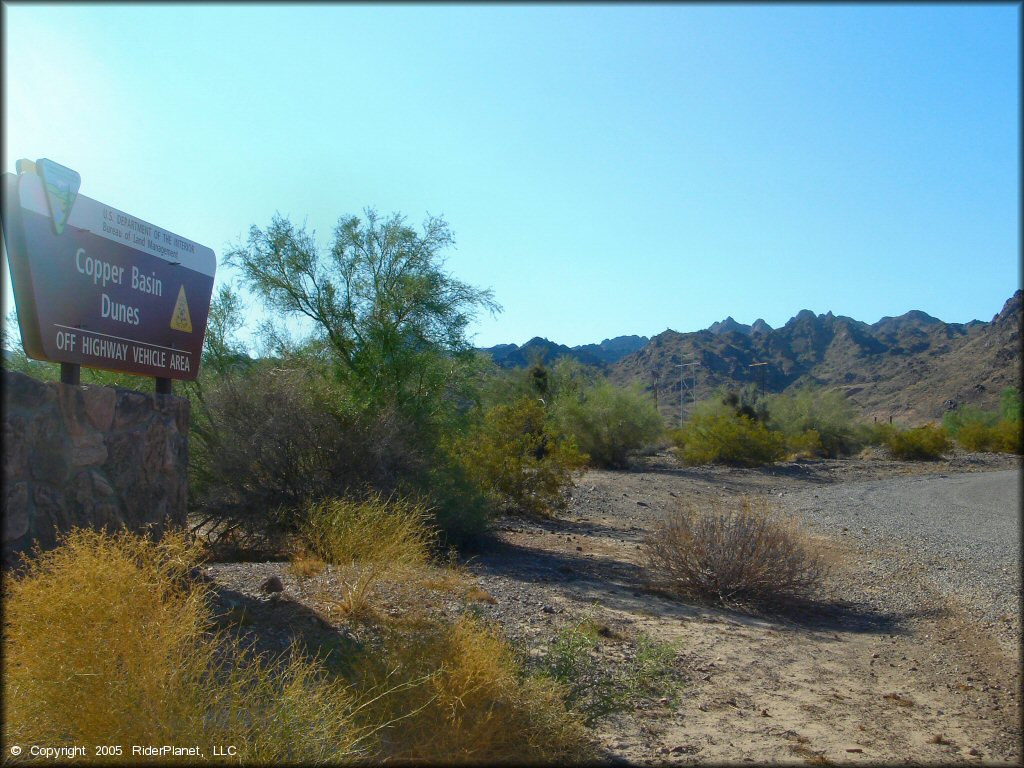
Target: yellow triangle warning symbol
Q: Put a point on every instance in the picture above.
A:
(181, 320)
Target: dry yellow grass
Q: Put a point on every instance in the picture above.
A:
(363, 542)
(475, 708)
(106, 642)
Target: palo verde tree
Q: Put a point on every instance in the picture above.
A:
(380, 302)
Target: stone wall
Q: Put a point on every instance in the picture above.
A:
(89, 456)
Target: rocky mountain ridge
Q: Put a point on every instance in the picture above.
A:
(607, 352)
(913, 367)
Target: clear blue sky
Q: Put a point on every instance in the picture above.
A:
(606, 169)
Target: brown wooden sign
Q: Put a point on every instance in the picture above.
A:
(98, 287)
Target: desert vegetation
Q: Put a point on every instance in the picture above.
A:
(745, 429)
(740, 555)
(994, 431)
(364, 450)
(109, 641)
(369, 449)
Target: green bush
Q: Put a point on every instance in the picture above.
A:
(1009, 437)
(978, 430)
(597, 690)
(967, 416)
(926, 443)
(608, 422)
(517, 458)
(975, 436)
(826, 413)
(1001, 437)
(725, 438)
(874, 433)
(806, 444)
(1010, 404)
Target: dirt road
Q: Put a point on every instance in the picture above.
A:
(961, 531)
(885, 669)
(890, 665)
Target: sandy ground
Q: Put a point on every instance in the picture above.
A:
(851, 679)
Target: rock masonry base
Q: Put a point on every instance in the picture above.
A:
(89, 456)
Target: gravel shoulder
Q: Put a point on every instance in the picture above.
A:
(892, 664)
(960, 531)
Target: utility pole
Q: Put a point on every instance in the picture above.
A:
(682, 387)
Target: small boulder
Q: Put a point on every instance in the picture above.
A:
(272, 584)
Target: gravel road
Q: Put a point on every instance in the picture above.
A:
(961, 531)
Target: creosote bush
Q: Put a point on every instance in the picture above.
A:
(826, 414)
(926, 443)
(727, 438)
(734, 555)
(518, 459)
(608, 422)
(978, 430)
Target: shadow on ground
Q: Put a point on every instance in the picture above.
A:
(622, 586)
(276, 625)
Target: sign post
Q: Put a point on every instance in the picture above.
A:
(96, 286)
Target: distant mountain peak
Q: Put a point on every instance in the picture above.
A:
(607, 352)
(729, 326)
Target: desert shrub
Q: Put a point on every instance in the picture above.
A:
(746, 401)
(1001, 437)
(725, 438)
(875, 433)
(475, 707)
(607, 422)
(739, 555)
(978, 430)
(826, 413)
(368, 539)
(968, 416)
(278, 437)
(976, 436)
(806, 444)
(518, 459)
(396, 531)
(596, 690)
(1009, 437)
(1011, 404)
(105, 643)
(925, 443)
(462, 510)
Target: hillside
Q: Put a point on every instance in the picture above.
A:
(912, 367)
(607, 352)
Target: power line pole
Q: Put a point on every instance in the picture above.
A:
(682, 387)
